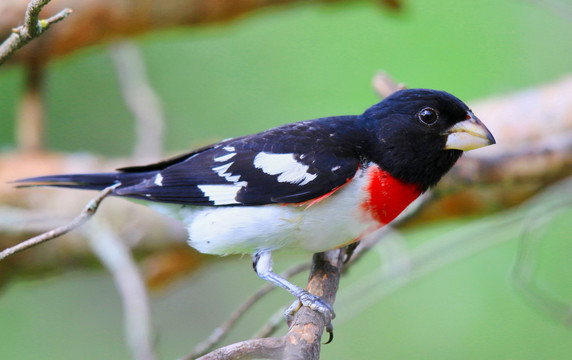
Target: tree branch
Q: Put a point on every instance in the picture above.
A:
(219, 333)
(303, 339)
(87, 213)
(32, 28)
(98, 21)
(462, 243)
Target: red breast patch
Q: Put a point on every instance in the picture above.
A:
(387, 197)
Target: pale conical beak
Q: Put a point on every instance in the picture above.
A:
(468, 134)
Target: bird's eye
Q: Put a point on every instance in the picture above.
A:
(427, 116)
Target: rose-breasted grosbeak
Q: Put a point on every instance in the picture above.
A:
(314, 185)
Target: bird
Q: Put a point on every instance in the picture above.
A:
(313, 185)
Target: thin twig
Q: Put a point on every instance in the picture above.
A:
(117, 258)
(384, 85)
(219, 333)
(86, 213)
(32, 28)
(275, 322)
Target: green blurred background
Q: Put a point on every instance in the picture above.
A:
(282, 65)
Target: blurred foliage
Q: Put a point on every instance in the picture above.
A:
(285, 65)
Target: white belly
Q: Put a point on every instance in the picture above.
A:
(327, 224)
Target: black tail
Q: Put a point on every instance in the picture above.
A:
(96, 181)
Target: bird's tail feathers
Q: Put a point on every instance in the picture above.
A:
(95, 181)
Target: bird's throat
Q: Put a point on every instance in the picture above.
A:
(386, 196)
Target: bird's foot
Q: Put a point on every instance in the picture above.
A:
(315, 303)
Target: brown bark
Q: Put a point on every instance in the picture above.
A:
(97, 21)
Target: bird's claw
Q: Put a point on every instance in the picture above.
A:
(315, 303)
(291, 310)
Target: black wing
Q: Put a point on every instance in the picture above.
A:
(289, 164)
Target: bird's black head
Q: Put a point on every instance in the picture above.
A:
(419, 134)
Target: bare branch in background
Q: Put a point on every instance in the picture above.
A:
(460, 244)
(384, 85)
(31, 111)
(98, 21)
(85, 215)
(141, 99)
(117, 258)
(32, 28)
(30, 131)
(219, 333)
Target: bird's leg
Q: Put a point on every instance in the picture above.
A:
(262, 263)
(350, 251)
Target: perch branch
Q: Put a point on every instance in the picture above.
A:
(32, 28)
(86, 213)
(219, 333)
(303, 339)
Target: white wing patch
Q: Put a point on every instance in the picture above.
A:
(222, 172)
(224, 157)
(285, 166)
(222, 194)
(159, 180)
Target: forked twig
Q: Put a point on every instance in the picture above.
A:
(32, 28)
(86, 213)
